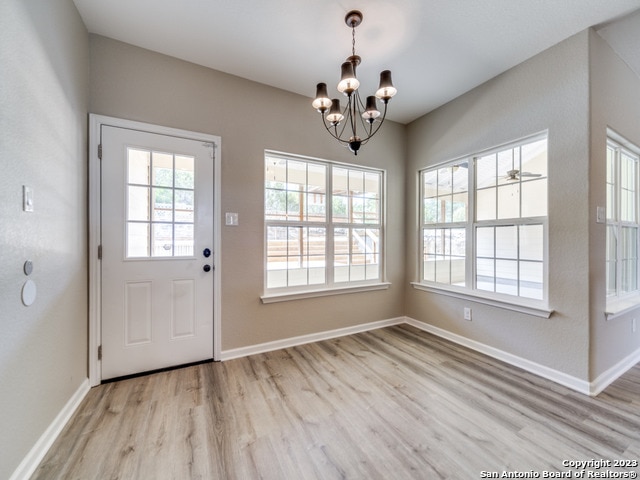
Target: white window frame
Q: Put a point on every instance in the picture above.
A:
(330, 286)
(619, 302)
(538, 307)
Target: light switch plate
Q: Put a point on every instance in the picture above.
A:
(27, 198)
(231, 219)
(601, 213)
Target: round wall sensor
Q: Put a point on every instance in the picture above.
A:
(28, 267)
(29, 291)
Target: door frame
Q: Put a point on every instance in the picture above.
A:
(95, 271)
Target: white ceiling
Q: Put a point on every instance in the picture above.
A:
(436, 49)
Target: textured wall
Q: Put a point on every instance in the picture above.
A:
(43, 115)
(547, 92)
(136, 84)
(615, 103)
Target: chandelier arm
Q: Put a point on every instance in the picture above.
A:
(384, 115)
(335, 135)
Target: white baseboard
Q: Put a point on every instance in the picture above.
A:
(40, 449)
(569, 381)
(302, 339)
(607, 378)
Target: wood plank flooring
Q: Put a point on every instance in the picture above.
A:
(394, 403)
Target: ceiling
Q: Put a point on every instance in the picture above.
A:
(436, 49)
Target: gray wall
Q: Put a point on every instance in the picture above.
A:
(136, 84)
(549, 91)
(43, 124)
(615, 103)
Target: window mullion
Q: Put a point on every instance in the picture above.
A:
(329, 229)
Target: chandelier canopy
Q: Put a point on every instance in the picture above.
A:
(356, 114)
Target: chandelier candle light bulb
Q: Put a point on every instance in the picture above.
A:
(356, 113)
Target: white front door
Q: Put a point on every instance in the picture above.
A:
(157, 251)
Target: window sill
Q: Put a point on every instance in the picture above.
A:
(618, 307)
(516, 306)
(285, 297)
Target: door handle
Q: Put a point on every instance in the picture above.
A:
(207, 268)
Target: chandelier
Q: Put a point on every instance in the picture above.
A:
(356, 114)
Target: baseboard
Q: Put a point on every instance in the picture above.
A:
(40, 449)
(607, 378)
(302, 339)
(556, 376)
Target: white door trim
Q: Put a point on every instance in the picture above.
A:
(95, 286)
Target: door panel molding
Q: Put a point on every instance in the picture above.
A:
(95, 321)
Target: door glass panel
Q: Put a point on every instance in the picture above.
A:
(162, 240)
(138, 163)
(163, 204)
(184, 206)
(138, 203)
(137, 239)
(160, 218)
(184, 172)
(162, 169)
(183, 243)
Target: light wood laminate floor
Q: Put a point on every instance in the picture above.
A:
(394, 403)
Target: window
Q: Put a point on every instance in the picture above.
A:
(323, 223)
(622, 219)
(484, 221)
(160, 201)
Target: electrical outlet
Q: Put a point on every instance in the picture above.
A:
(467, 313)
(633, 326)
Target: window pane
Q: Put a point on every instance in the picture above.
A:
(275, 204)
(485, 242)
(445, 181)
(138, 166)
(430, 210)
(185, 172)
(340, 209)
(460, 177)
(430, 183)
(508, 160)
(316, 207)
(458, 242)
(486, 204)
(429, 239)
(443, 269)
(137, 239)
(486, 171)
(162, 169)
(509, 201)
(275, 172)
(138, 202)
(317, 178)
(184, 240)
(485, 274)
(296, 175)
(372, 184)
(163, 204)
(534, 157)
(532, 242)
(531, 280)
(459, 207)
(356, 182)
(507, 277)
(184, 206)
(534, 198)
(340, 183)
(507, 242)
(162, 239)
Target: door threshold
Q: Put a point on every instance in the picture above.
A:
(158, 370)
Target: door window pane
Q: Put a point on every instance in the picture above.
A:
(138, 162)
(152, 211)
